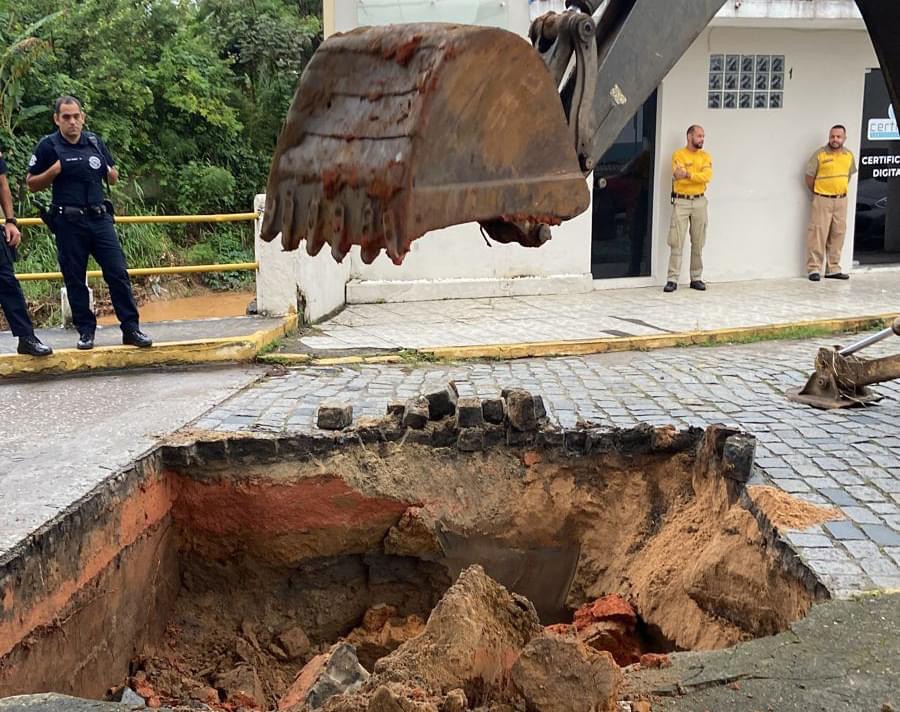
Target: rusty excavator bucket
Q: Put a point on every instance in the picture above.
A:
(398, 130)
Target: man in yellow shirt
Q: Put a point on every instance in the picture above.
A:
(828, 176)
(691, 172)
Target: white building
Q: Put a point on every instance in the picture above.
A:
(796, 67)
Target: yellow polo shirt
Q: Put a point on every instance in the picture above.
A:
(698, 164)
(832, 170)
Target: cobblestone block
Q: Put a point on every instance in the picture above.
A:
(520, 410)
(862, 548)
(808, 541)
(395, 408)
(493, 410)
(470, 440)
(517, 437)
(415, 414)
(881, 535)
(865, 494)
(540, 410)
(861, 515)
(441, 403)
(837, 568)
(839, 496)
(844, 530)
(738, 457)
(334, 416)
(469, 413)
(879, 566)
(887, 583)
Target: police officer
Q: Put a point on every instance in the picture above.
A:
(76, 162)
(11, 298)
(828, 174)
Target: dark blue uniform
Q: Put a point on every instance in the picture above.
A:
(83, 226)
(11, 298)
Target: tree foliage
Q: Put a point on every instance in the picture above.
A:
(188, 94)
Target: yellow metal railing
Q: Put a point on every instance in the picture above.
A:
(145, 271)
(144, 219)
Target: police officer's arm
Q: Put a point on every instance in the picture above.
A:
(39, 182)
(12, 232)
(43, 168)
(112, 173)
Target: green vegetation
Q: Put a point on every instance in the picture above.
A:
(189, 95)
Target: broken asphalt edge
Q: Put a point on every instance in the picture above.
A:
(583, 347)
(215, 350)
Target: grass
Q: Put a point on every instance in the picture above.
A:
(794, 333)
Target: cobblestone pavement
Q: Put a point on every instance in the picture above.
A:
(601, 314)
(848, 458)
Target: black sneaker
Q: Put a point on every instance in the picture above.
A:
(85, 342)
(670, 287)
(136, 338)
(814, 276)
(837, 275)
(32, 346)
(698, 284)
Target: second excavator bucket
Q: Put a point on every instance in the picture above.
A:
(398, 130)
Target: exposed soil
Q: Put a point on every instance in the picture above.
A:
(313, 545)
(788, 512)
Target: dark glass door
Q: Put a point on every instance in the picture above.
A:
(623, 200)
(877, 227)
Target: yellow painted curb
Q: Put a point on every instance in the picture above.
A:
(218, 350)
(583, 347)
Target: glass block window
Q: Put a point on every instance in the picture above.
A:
(746, 81)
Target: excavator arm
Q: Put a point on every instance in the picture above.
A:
(399, 130)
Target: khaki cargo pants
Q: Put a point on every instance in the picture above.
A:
(825, 235)
(687, 215)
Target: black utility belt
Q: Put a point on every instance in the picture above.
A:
(683, 196)
(833, 197)
(77, 211)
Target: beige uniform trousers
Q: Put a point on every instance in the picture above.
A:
(687, 214)
(825, 235)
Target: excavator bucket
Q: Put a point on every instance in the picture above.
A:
(398, 130)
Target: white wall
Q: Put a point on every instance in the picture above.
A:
(758, 201)
(285, 278)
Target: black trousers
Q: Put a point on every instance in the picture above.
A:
(11, 298)
(78, 238)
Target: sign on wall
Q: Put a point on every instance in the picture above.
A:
(880, 146)
(877, 226)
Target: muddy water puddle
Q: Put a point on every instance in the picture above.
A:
(201, 306)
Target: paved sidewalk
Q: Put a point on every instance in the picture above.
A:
(221, 340)
(161, 332)
(848, 458)
(618, 313)
(60, 438)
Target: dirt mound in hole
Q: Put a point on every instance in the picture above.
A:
(316, 542)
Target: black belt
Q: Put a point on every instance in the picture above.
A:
(833, 197)
(77, 211)
(687, 197)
